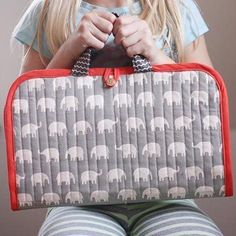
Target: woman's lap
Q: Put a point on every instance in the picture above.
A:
(175, 221)
(163, 218)
(68, 221)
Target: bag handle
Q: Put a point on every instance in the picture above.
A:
(82, 65)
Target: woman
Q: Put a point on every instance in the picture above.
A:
(56, 32)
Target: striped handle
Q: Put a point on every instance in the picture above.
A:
(81, 67)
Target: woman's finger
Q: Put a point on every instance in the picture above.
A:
(93, 42)
(126, 31)
(103, 24)
(123, 20)
(98, 33)
(132, 39)
(136, 49)
(106, 15)
(144, 47)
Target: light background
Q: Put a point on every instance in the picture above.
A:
(221, 18)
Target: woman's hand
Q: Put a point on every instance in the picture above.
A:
(93, 31)
(136, 37)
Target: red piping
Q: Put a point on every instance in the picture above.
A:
(52, 73)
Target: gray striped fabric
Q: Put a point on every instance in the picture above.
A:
(170, 219)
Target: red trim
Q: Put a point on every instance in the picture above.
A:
(8, 125)
(52, 73)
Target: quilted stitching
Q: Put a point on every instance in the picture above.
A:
(154, 135)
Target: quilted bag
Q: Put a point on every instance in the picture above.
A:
(117, 135)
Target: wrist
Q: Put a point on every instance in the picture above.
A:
(74, 47)
(64, 57)
(69, 50)
(159, 57)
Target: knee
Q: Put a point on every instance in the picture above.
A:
(75, 221)
(184, 222)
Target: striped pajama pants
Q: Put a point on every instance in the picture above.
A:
(182, 217)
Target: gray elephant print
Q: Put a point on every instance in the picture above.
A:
(159, 123)
(142, 173)
(76, 143)
(87, 81)
(57, 128)
(203, 191)
(65, 177)
(39, 178)
(183, 122)
(50, 198)
(126, 194)
(82, 127)
(61, 83)
(122, 99)
(46, 104)
(35, 84)
(20, 105)
(211, 122)
(50, 154)
(116, 175)
(177, 148)
(18, 180)
(106, 124)
(90, 175)
(74, 196)
(25, 199)
(70, 103)
(205, 148)
(95, 100)
(176, 192)
(172, 97)
(146, 99)
(216, 171)
(152, 149)
(140, 79)
(200, 97)
(167, 172)
(30, 130)
(24, 155)
(194, 171)
(151, 193)
(99, 196)
(128, 150)
(134, 123)
(161, 78)
(100, 151)
(75, 153)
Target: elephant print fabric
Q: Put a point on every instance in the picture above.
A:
(154, 135)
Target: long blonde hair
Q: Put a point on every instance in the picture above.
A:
(58, 20)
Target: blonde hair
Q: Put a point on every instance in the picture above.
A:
(58, 20)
